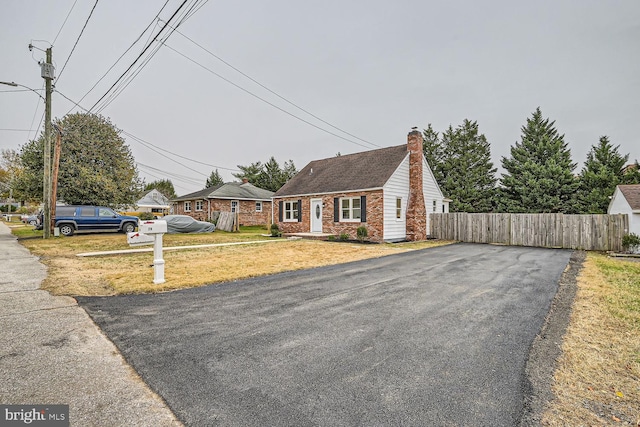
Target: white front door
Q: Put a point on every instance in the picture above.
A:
(316, 215)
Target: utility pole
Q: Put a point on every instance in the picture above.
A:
(47, 73)
(54, 179)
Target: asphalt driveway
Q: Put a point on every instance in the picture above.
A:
(433, 337)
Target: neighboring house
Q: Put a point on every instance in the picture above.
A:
(626, 200)
(390, 191)
(253, 204)
(154, 202)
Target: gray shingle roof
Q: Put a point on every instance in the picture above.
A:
(229, 190)
(359, 171)
(632, 194)
(202, 194)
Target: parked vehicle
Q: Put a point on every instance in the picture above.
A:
(187, 224)
(70, 219)
(30, 219)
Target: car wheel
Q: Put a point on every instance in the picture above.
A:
(33, 222)
(129, 227)
(66, 230)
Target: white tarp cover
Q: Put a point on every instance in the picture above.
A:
(186, 224)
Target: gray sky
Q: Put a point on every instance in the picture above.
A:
(371, 68)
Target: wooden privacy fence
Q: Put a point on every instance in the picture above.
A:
(588, 232)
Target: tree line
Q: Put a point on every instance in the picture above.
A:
(539, 174)
(97, 167)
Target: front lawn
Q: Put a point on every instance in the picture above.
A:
(133, 273)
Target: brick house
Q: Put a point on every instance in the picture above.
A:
(253, 204)
(391, 191)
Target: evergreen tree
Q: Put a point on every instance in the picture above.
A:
(96, 165)
(268, 176)
(214, 179)
(539, 174)
(165, 186)
(603, 170)
(461, 164)
(631, 174)
(250, 173)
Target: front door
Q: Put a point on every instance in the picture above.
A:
(316, 215)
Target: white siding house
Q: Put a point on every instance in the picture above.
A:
(626, 200)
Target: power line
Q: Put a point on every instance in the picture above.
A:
(139, 56)
(178, 155)
(183, 178)
(271, 91)
(155, 148)
(77, 40)
(124, 53)
(21, 90)
(129, 78)
(65, 21)
(264, 100)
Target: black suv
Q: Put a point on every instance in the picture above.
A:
(70, 219)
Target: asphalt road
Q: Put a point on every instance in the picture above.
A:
(433, 337)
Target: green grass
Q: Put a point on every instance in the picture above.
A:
(624, 300)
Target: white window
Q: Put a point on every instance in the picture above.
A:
(398, 208)
(435, 205)
(258, 206)
(350, 209)
(198, 205)
(234, 206)
(187, 206)
(290, 211)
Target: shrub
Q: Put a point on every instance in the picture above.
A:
(362, 233)
(344, 236)
(275, 231)
(631, 242)
(331, 237)
(146, 216)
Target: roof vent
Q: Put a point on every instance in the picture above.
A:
(311, 171)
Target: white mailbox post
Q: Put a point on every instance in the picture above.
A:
(156, 229)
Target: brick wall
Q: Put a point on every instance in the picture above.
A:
(248, 214)
(374, 213)
(416, 211)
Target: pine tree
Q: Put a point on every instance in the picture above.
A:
(214, 179)
(539, 174)
(461, 164)
(603, 170)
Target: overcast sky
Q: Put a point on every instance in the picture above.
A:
(371, 68)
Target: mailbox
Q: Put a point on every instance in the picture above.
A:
(153, 227)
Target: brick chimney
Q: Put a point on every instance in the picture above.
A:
(416, 210)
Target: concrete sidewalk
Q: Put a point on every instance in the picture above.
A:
(51, 352)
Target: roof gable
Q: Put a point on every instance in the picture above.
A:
(153, 197)
(632, 194)
(359, 171)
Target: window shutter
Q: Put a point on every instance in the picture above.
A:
(363, 208)
(299, 210)
(336, 209)
(280, 207)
